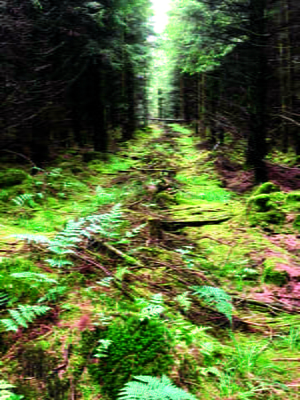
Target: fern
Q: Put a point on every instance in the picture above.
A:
(184, 301)
(4, 299)
(23, 315)
(32, 276)
(217, 298)
(106, 281)
(30, 238)
(102, 349)
(5, 392)
(154, 308)
(24, 199)
(76, 234)
(148, 387)
(53, 294)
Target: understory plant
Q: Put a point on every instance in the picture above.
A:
(217, 298)
(149, 387)
(130, 347)
(64, 245)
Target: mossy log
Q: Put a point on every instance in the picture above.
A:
(174, 225)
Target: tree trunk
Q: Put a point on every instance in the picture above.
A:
(256, 150)
(98, 108)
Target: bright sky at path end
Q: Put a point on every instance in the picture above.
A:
(160, 19)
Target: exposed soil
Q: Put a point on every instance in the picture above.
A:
(234, 178)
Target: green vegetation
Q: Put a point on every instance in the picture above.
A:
(154, 388)
(103, 295)
(135, 347)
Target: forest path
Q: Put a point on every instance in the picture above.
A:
(171, 245)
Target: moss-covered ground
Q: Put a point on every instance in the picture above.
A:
(145, 264)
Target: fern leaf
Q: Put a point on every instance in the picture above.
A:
(217, 298)
(149, 387)
(10, 325)
(32, 276)
(23, 315)
(56, 262)
(18, 318)
(4, 299)
(53, 294)
(37, 239)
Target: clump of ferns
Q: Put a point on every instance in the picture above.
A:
(67, 244)
(13, 289)
(6, 391)
(23, 315)
(23, 285)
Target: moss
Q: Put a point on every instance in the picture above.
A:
(271, 275)
(164, 199)
(261, 202)
(274, 217)
(265, 209)
(12, 265)
(137, 348)
(296, 223)
(293, 200)
(12, 177)
(266, 188)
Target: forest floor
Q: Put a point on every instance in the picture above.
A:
(161, 260)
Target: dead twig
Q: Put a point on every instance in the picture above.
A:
(90, 261)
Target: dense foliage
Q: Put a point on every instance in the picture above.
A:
(149, 263)
(71, 71)
(233, 67)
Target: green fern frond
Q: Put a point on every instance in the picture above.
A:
(217, 298)
(57, 262)
(9, 324)
(5, 392)
(53, 294)
(32, 276)
(23, 315)
(154, 308)
(149, 387)
(24, 199)
(102, 349)
(76, 233)
(37, 239)
(184, 301)
(4, 298)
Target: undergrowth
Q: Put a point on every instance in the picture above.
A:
(102, 301)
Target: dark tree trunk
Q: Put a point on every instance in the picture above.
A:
(257, 150)
(40, 140)
(98, 109)
(130, 117)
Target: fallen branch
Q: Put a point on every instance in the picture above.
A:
(90, 261)
(286, 359)
(274, 307)
(121, 254)
(166, 225)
